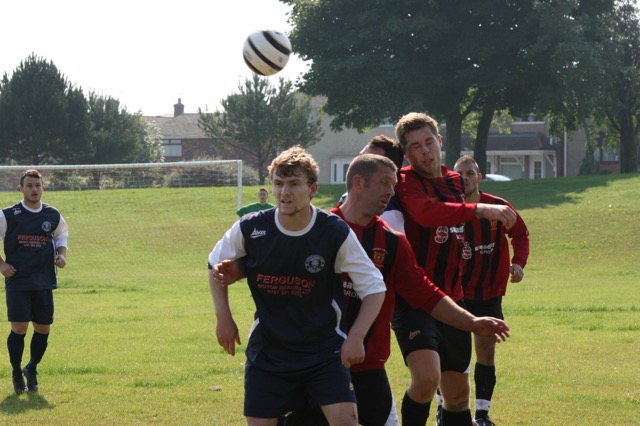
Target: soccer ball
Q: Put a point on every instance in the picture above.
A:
(266, 52)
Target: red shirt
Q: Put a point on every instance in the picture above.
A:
(435, 213)
(486, 272)
(391, 253)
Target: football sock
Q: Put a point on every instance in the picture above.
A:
(485, 380)
(414, 413)
(15, 344)
(462, 418)
(38, 347)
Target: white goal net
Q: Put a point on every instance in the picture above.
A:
(132, 225)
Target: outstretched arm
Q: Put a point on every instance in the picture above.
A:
(450, 313)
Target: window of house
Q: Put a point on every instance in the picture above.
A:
(339, 168)
(537, 169)
(172, 147)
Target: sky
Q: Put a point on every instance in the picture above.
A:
(147, 54)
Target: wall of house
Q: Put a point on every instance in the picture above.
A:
(336, 149)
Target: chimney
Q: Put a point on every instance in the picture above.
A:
(178, 109)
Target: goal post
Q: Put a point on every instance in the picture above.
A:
(133, 226)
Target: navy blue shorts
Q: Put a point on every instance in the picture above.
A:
(486, 308)
(415, 330)
(30, 305)
(375, 403)
(269, 394)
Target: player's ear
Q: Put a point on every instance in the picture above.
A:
(313, 189)
(479, 177)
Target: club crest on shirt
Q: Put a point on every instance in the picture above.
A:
(46, 226)
(494, 225)
(378, 256)
(466, 251)
(442, 234)
(314, 263)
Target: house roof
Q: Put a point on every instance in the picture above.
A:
(525, 141)
(184, 126)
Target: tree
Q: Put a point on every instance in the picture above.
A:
(118, 136)
(43, 118)
(379, 60)
(261, 120)
(620, 81)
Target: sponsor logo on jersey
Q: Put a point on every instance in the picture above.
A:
(46, 226)
(314, 263)
(414, 334)
(257, 234)
(16, 212)
(485, 249)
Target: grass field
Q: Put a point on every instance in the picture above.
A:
(133, 342)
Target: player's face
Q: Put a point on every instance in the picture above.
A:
(423, 152)
(31, 189)
(379, 190)
(262, 197)
(471, 178)
(293, 194)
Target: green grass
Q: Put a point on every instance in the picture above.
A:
(134, 337)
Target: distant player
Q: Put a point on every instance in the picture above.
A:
(485, 275)
(35, 243)
(262, 204)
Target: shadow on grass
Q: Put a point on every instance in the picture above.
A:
(534, 193)
(17, 404)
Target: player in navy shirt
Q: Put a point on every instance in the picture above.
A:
(294, 257)
(35, 243)
(485, 274)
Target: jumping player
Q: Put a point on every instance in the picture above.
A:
(35, 243)
(294, 256)
(485, 276)
(432, 198)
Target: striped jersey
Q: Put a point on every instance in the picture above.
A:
(391, 253)
(435, 213)
(295, 280)
(486, 270)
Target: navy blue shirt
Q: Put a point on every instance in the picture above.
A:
(29, 247)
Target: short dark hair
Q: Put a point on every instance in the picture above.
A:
(467, 159)
(366, 165)
(391, 148)
(30, 173)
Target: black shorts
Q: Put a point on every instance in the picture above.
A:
(376, 406)
(416, 330)
(269, 394)
(485, 308)
(30, 305)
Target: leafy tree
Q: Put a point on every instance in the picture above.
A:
(261, 120)
(379, 60)
(43, 118)
(118, 136)
(620, 81)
